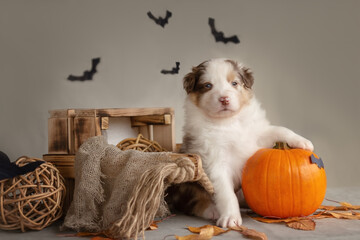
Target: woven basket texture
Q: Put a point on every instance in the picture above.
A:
(31, 201)
(141, 144)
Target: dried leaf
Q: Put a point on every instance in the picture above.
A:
(188, 237)
(318, 215)
(303, 224)
(346, 215)
(329, 208)
(250, 233)
(101, 238)
(208, 231)
(196, 229)
(153, 226)
(205, 233)
(350, 206)
(345, 211)
(344, 206)
(275, 220)
(239, 228)
(217, 230)
(253, 234)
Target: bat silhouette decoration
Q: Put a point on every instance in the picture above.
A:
(174, 70)
(160, 21)
(10, 169)
(219, 36)
(87, 75)
(317, 161)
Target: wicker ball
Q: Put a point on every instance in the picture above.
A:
(141, 144)
(33, 200)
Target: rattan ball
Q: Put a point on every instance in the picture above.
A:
(141, 144)
(31, 201)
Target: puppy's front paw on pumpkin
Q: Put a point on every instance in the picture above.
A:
(301, 143)
(229, 221)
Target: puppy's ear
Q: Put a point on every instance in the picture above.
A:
(189, 82)
(191, 79)
(247, 76)
(244, 73)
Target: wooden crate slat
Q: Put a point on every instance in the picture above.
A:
(164, 119)
(60, 160)
(66, 171)
(165, 135)
(71, 142)
(84, 128)
(97, 126)
(104, 123)
(58, 135)
(130, 112)
(144, 130)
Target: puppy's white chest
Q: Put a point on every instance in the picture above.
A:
(228, 145)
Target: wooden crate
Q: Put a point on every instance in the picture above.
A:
(68, 129)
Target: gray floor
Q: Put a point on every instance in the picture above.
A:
(325, 228)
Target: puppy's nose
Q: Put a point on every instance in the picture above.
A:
(224, 100)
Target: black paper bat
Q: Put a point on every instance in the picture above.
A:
(87, 75)
(160, 21)
(174, 70)
(10, 170)
(317, 161)
(219, 36)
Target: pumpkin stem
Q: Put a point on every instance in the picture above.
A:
(281, 146)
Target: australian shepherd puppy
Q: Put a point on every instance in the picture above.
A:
(225, 125)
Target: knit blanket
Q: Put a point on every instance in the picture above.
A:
(121, 192)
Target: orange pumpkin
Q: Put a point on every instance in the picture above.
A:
(284, 182)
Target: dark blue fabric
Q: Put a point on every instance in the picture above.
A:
(9, 169)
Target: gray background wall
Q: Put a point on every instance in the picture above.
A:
(305, 56)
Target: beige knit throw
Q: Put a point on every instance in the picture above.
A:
(121, 192)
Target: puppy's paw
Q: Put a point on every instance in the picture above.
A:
(302, 143)
(229, 221)
(211, 212)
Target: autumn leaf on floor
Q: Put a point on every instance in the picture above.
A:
(205, 233)
(300, 223)
(350, 206)
(344, 215)
(303, 224)
(217, 230)
(208, 231)
(250, 233)
(153, 226)
(344, 211)
(276, 220)
(345, 206)
(101, 238)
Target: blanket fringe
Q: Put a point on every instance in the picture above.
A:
(147, 196)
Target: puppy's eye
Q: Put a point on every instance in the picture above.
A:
(234, 84)
(208, 85)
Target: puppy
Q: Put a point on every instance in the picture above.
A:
(225, 125)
